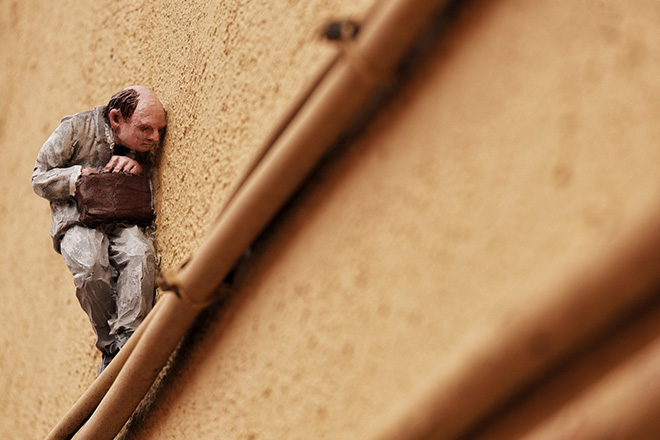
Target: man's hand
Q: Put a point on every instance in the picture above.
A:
(122, 163)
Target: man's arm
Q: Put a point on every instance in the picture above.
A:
(52, 177)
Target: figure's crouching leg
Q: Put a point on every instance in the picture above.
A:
(133, 253)
(85, 252)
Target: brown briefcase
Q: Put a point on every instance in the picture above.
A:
(115, 198)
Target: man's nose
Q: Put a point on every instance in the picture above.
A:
(154, 135)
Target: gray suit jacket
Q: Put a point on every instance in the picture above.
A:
(83, 140)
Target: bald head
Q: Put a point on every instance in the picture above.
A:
(137, 118)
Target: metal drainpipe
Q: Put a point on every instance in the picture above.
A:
(391, 28)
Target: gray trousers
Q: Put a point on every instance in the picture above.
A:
(113, 270)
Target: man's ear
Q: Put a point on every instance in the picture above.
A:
(115, 118)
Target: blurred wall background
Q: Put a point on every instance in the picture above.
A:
(513, 156)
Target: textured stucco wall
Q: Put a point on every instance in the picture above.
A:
(225, 71)
(516, 153)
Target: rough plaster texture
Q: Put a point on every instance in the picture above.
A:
(514, 155)
(224, 70)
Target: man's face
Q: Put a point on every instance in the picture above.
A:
(144, 129)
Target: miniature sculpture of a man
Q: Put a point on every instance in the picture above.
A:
(113, 264)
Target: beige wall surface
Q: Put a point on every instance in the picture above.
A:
(225, 71)
(515, 154)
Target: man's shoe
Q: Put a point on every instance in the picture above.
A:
(105, 361)
(123, 337)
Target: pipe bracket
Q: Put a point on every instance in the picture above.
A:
(164, 283)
